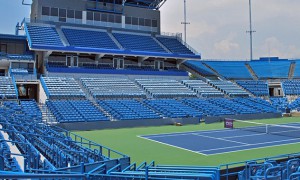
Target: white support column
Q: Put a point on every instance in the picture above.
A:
(83, 17)
(123, 21)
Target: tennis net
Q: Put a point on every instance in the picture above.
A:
(274, 129)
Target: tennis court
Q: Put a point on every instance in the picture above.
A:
(243, 136)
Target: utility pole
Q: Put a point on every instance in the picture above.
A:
(251, 31)
(185, 21)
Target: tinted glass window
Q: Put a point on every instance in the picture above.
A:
(70, 14)
(54, 11)
(46, 11)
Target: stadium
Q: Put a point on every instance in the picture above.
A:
(92, 89)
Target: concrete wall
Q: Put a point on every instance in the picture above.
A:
(85, 126)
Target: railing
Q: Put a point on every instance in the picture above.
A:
(102, 150)
(228, 172)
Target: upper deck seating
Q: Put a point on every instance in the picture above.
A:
(112, 88)
(230, 69)
(271, 69)
(89, 38)
(174, 45)
(200, 67)
(202, 88)
(44, 35)
(137, 42)
(159, 88)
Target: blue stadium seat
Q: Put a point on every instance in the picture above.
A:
(137, 42)
(75, 111)
(173, 109)
(229, 88)
(174, 45)
(258, 88)
(271, 69)
(128, 109)
(89, 38)
(230, 69)
(7, 88)
(43, 35)
(291, 87)
(199, 67)
(59, 88)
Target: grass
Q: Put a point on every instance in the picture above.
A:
(128, 142)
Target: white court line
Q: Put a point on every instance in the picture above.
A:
(253, 144)
(197, 152)
(187, 133)
(221, 139)
(251, 149)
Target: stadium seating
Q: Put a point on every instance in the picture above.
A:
(208, 108)
(291, 87)
(270, 169)
(174, 45)
(128, 109)
(137, 42)
(230, 69)
(43, 35)
(89, 38)
(297, 69)
(257, 88)
(281, 103)
(199, 67)
(112, 88)
(271, 69)
(35, 139)
(59, 87)
(31, 109)
(160, 88)
(295, 105)
(236, 107)
(7, 88)
(10, 163)
(229, 88)
(172, 108)
(75, 111)
(257, 104)
(202, 88)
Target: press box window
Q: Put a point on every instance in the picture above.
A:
(45, 11)
(54, 12)
(90, 16)
(70, 14)
(78, 15)
(62, 15)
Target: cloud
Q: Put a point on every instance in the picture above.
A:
(272, 46)
(226, 46)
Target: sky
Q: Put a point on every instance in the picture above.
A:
(217, 28)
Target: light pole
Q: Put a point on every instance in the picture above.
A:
(185, 22)
(251, 31)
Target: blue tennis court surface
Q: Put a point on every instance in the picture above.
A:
(227, 140)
